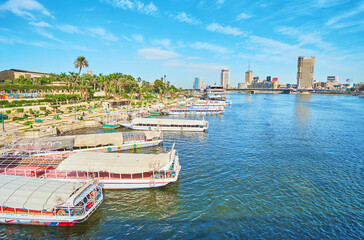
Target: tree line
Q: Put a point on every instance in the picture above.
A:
(114, 84)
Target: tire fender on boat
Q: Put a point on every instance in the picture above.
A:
(109, 149)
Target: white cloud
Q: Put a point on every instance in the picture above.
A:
(242, 16)
(48, 35)
(103, 34)
(178, 63)
(136, 5)
(193, 58)
(305, 38)
(220, 3)
(138, 38)
(183, 17)
(40, 24)
(351, 13)
(272, 49)
(215, 27)
(69, 28)
(148, 9)
(163, 42)
(157, 54)
(209, 47)
(24, 8)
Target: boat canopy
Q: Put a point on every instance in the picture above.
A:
(166, 121)
(152, 134)
(121, 163)
(98, 139)
(43, 144)
(37, 193)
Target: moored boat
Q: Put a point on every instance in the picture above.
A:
(103, 142)
(25, 200)
(195, 111)
(164, 124)
(112, 170)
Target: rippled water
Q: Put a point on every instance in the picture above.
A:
(273, 166)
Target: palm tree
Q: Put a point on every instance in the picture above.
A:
(84, 83)
(80, 62)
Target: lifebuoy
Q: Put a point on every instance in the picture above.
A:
(134, 146)
(109, 149)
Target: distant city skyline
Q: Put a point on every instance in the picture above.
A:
(184, 39)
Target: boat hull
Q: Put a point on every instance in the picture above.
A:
(110, 126)
(176, 129)
(53, 220)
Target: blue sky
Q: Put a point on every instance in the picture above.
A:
(185, 38)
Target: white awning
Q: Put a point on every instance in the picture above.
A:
(43, 144)
(121, 163)
(36, 193)
(167, 121)
(99, 139)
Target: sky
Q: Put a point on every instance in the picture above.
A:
(183, 39)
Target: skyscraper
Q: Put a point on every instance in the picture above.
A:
(249, 76)
(225, 78)
(197, 83)
(305, 72)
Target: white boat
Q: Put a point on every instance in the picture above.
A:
(104, 142)
(209, 103)
(36, 201)
(164, 124)
(195, 111)
(112, 170)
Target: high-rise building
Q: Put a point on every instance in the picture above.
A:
(255, 79)
(197, 83)
(225, 78)
(305, 72)
(332, 79)
(269, 78)
(249, 76)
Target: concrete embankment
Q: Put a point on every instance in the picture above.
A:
(75, 125)
(8, 137)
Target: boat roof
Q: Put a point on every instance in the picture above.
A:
(54, 143)
(98, 139)
(37, 193)
(43, 144)
(121, 163)
(167, 121)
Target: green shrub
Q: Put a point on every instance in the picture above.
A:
(9, 105)
(31, 111)
(54, 106)
(27, 123)
(20, 110)
(43, 108)
(8, 111)
(133, 104)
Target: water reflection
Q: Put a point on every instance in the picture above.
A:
(302, 108)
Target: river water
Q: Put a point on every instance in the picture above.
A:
(271, 167)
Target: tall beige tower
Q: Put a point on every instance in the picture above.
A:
(248, 76)
(225, 78)
(305, 72)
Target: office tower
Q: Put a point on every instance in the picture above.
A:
(197, 83)
(225, 78)
(332, 79)
(249, 76)
(269, 78)
(305, 72)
